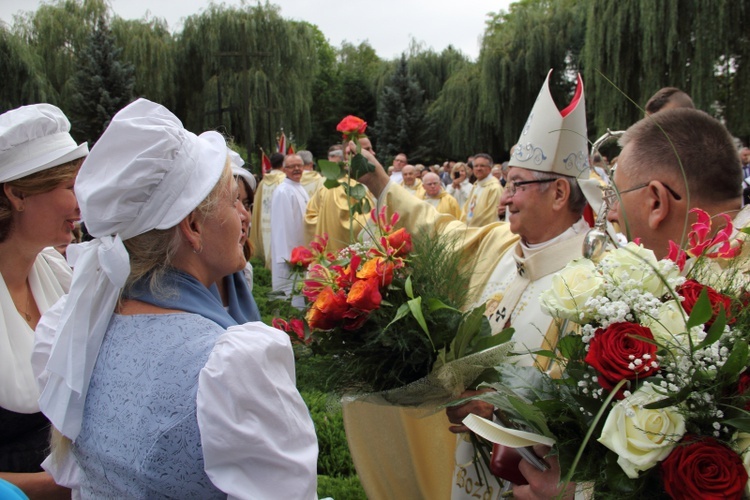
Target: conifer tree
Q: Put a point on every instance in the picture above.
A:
(402, 124)
(103, 84)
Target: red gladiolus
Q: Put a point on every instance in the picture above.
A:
(703, 468)
(720, 245)
(617, 354)
(302, 257)
(400, 241)
(365, 295)
(297, 326)
(351, 127)
(691, 291)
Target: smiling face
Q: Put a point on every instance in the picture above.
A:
(530, 210)
(225, 233)
(48, 219)
(293, 167)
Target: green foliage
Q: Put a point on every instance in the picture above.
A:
(19, 65)
(402, 124)
(334, 459)
(103, 84)
(347, 488)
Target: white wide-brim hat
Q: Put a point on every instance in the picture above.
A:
(35, 138)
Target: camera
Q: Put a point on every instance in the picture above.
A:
(456, 175)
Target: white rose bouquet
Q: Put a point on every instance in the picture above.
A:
(651, 395)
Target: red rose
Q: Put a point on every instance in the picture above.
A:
(743, 385)
(400, 241)
(703, 468)
(377, 268)
(301, 256)
(691, 290)
(351, 126)
(617, 354)
(365, 295)
(327, 310)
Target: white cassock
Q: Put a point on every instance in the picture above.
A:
(288, 207)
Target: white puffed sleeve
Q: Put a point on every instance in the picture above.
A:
(257, 435)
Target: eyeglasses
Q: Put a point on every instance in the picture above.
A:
(611, 195)
(514, 185)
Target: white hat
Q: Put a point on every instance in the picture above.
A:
(552, 140)
(145, 172)
(34, 138)
(237, 169)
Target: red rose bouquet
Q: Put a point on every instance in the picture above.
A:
(652, 398)
(388, 315)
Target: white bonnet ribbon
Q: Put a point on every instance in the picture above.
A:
(100, 268)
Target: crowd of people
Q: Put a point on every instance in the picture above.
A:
(146, 369)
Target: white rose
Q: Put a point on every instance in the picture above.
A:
(641, 438)
(633, 262)
(742, 446)
(669, 326)
(571, 288)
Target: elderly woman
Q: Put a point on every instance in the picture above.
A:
(39, 161)
(460, 187)
(160, 390)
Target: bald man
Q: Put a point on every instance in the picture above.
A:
(411, 182)
(434, 194)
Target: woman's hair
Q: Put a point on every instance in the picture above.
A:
(247, 248)
(152, 253)
(459, 165)
(37, 183)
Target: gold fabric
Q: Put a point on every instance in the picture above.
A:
(260, 229)
(311, 181)
(417, 189)
(447, 204)
(328, 212)
(481, 206)
(399, 455)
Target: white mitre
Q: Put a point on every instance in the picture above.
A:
(552, 140)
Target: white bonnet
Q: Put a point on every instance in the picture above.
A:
(34, 138)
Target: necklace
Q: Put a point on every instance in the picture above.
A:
(25, 313)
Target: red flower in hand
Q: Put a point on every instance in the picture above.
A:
(691, 291)
(703, 468)
(301, 257)
(352, 127)
(617, 354)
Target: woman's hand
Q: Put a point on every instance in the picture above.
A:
(457, 414)
(543, 485)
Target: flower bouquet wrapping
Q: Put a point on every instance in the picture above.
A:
(386, 320)
(652, 400)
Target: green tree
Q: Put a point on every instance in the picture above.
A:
(23, 80)
(103, 84)
(150, 48)
(254, 65)
(402, 124)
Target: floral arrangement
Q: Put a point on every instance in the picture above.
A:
(651, 399)
(387, 313)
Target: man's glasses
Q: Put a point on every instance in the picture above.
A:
(514, 185)
(611, 195)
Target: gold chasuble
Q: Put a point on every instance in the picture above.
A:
(397, 454)
(311, 181)
(260, 229)
(481, 206)
(444, 203)
(328, 212)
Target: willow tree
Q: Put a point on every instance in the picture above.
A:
(246, 70)
(456, 115)
(700, 46)
(56, 32)
(24, 82)
(518, 49)
(149, 46)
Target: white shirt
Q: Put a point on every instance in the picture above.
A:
(288, 207)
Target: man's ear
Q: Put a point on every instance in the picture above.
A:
(561, 190)
(191, 228)
(658, 204)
